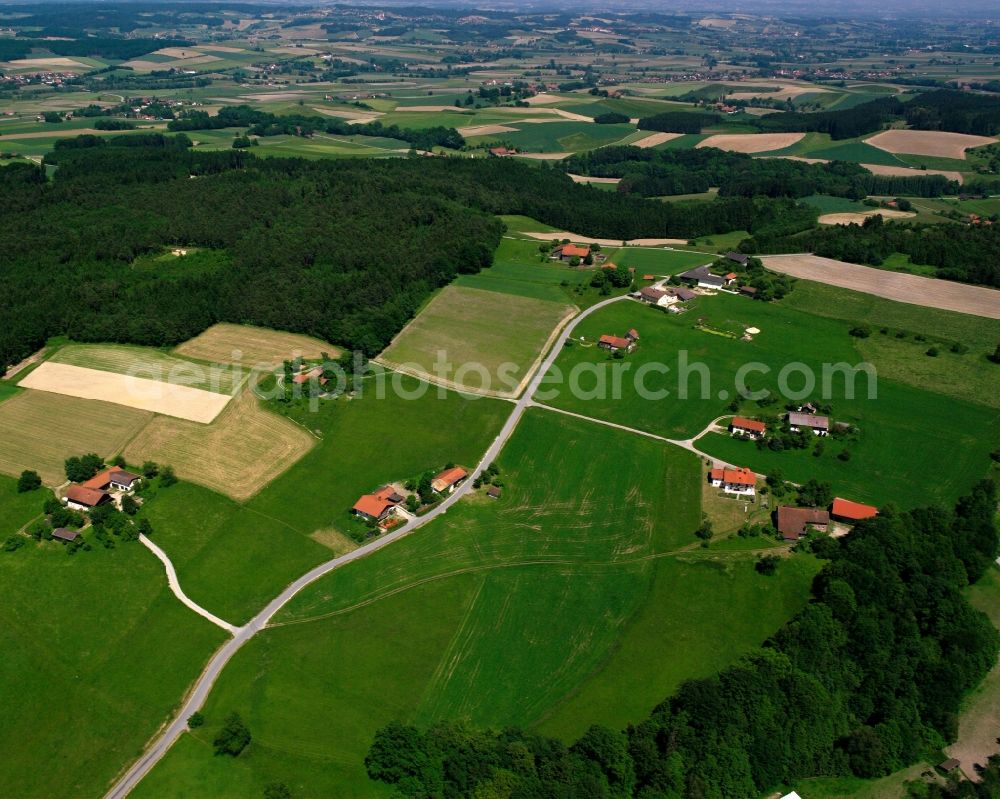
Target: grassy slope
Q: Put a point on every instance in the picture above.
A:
(233, 558)
(93, 649)
(550, 599)
(890, 424)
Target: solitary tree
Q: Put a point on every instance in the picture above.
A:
(28, 481)
(167, 476)
(233, 738)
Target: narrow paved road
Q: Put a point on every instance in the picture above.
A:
(199, 692)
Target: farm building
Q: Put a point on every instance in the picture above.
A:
(751, 428)
(493, 492)
(949, 765)
(114, 479)
(664, 298)
(448, 480)
(651, 295)
(502, 152)
(740, 480)
(632, 335)
(566, 251)
(80, 498)
(820, 425)
(737, 257)
(843, 510)
(615, 343)
(792, 522)
(702, 277)
(65, 534)
(748, 291)
(376, 507)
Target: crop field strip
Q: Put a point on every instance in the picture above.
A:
(155, 396)
(42, 429)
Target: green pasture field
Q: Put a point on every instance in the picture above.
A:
(853, 307)
(17, 509)
(151, 364)
(722, 242)
(568, 136)
(232, 558)
(566, 602)
(659, 261)
(947, 429)
(857, 152)
(826, 204)
(93, 647)
(473, 326)
(520, 268)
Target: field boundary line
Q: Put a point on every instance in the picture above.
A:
(175, 586)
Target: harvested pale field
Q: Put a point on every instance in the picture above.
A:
(927, 142)
(295, 50)
(252, 346)
(801, 158)
(179, 63)
(861, 216)
(274, 97)
(151, 364)
(543, 99)
(751, 142)
(899, 286)
(484, 130)
(484, 341)
(220, 48)
(179, 52)
(559, 235)
(237, 455)
(655, 138)
(589, 179)
(545, 156)
(55, 134)
(183, 402)
(41, 430)
(350, 116)
(428, 108)
(46, 63)
(716, 22)
(571, 115)
(909, 172)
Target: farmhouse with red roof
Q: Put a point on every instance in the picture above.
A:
(615, 343)
(377, 506)
(566, 251)
(448, 480)
(739, 480)
(750, 428)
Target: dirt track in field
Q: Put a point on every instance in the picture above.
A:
(899, 286)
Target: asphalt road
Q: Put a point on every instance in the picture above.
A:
(199, 692)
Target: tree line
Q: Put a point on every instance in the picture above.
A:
(653, 173)
(264, 123)
(964, 253)
(345, 250)
(866, 679)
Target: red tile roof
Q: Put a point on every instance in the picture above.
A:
(855, 511)
(85, 496)
(737, 476)
(569, 250)
(448, 478)
(649, 277)
(617, 342)
(741, 423)
(376, 504)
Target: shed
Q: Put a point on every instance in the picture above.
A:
(65, 534)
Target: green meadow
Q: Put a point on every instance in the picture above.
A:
(95, 653)
(580, 596)
(905, 430)
(565, 136)
(234, 558)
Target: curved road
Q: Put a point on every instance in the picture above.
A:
(199, 692)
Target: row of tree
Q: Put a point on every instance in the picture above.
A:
(264, 123)
(863, 681)
(654, 173)
(343, 250)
